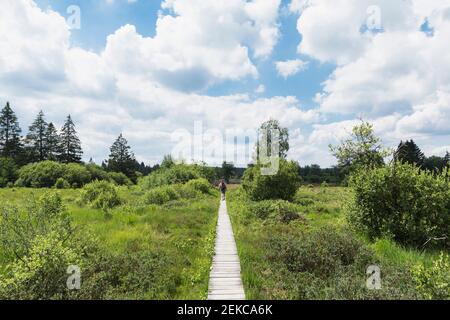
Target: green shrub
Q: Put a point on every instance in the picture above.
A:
(97, 172)
(276, 209)
(40, 175)
(130, 275)
(282, 185)
(320, 252)
(101, 195)
(41, 274)
(403, 202)
(176, 174)
(45, 174)
(8, 171)
(202, 185)
(434, 283)
(62, 183)
(161, 195)
(119, 178)
(76, 175)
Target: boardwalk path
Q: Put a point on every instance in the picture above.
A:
(225, 280)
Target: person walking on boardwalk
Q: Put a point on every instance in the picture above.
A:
(223, 188)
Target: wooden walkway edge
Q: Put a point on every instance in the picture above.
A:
(225, 281)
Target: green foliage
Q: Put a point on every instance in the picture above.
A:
(45, 174)
(10, 139)
(402, 202)
(131, 275)
(8, 171)
(409, 152)
(119, 178)
(121, 159)
(273, 209)
(434, 283)
(176, 174)
(266, 139)
(36, 139)
(41, 274)
(70, 143)
(40, 175)
(101, 195)
(227, 171)
(161, 195)
(282, 185)
(62, 183)
(362, 150)
(201, 185)
(97, 172)
(76, 175)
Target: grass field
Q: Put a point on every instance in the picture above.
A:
(274, 271)
(184, 231)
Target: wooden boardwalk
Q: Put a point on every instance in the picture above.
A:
(225, 279)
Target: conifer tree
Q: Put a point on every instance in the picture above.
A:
(10, 139)
(70, 146)
(409, 152)
(36, 139)
(121, 158)
(52, 143)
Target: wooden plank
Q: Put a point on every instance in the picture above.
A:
(225, 278)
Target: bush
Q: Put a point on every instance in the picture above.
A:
(76, 175)
(119, 178)
(276, 209)
(403, 202)
(46, 173)
(101, 195)
(282, 185)
(434, 283)
(176, 174)
(62, 183)
(161, 195)
(40, 175)
(201, 185)
(97, 172)
(321, 252)
(8, 171)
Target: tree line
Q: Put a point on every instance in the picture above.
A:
(44, 142)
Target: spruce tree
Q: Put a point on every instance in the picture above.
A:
(52, 143)
(409, 152)
(36, 139)
(70, 144)
(121, 158)
(10, 139)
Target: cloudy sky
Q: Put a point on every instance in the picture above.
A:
(151, 68)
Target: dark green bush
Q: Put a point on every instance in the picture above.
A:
(176, 174)
(45, 174)
(40, 175)
(97, 172)
(434, 283)
(161, 195)
(62, 183)
(8, 172)
(282, 185)
(101, 195)
(201, 185)
(275, 209)
(403, 202)
(119, 178)
(76, 175)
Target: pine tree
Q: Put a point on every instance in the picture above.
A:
(409, 152)
(10, 139)
(52, 143)
(36, 139)
(121, 158)
(70, 147)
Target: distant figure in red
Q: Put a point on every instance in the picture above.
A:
(223, 188)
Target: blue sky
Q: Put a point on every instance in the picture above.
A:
(101, 18)
(151, 69)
